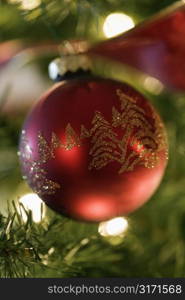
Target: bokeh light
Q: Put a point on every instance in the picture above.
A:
(153, 85)
(114, 227)
(27, 4)
(117, 23)
(32, 202)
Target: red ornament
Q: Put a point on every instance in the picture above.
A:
(93, 149)
(156, 47)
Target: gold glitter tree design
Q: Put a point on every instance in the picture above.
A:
(55, 142)
(104, 142)
(139, 142)
(38, 179)
(84, 133)
(72, 139)
(139, 135)
(37, 176)
(44, 149)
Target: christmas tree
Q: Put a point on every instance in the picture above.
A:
(37, 242)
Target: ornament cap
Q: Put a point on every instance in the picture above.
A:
(69, 67)
(73, 62)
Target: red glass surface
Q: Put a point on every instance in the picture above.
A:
(84, 194)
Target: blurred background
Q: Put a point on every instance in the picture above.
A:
(148, 243)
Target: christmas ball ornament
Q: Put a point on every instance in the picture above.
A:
(93, 149)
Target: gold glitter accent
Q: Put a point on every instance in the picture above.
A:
(42, 185)
(107, 147)
(36, 175)
(45, 152)
(104, 142)
(144, 138)
(84, 133)
(160, 133)
(122, 96)
(72, 139)
(55, 142)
